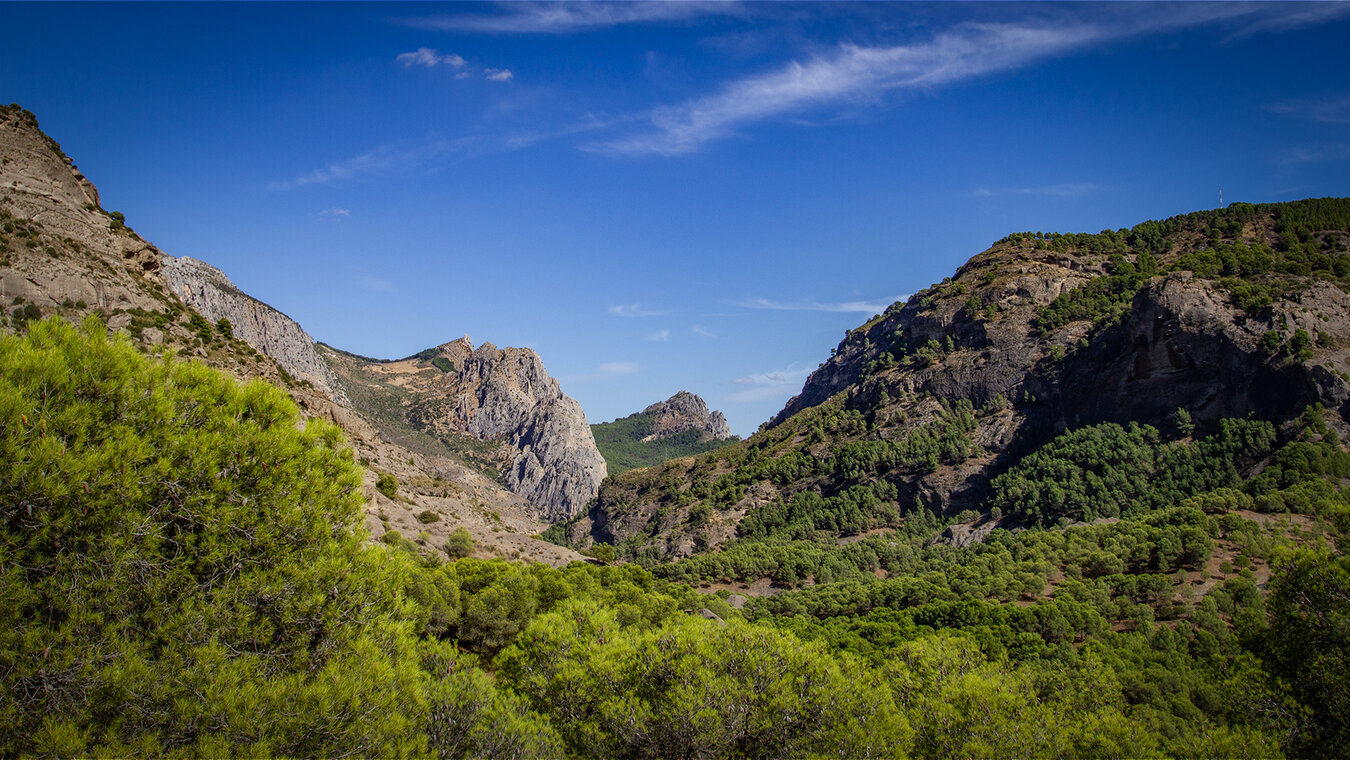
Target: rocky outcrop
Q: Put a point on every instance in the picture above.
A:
(507, 394)
(685, 411)
(210, 293)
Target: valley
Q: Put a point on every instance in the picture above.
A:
(1085, 497)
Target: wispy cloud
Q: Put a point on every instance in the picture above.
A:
(606, 371)
(569, 17)
(431, 58)
(660, 336)
(392, 158)
(499, 75)
(334, 214)
(1061, 190)
(860, 307)
(635, 310)
(851, 74)
(769, 385)
(1316, 154)
(1332, 110)
(1261, 18)
(702, 333)
(370, 282)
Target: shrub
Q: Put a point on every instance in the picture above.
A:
(459, 544)
(387, 484)
(427, 516)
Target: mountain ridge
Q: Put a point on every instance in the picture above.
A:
(1217, 314)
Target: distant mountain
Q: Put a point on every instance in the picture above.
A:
(680, 426)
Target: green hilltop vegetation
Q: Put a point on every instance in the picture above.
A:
(620, 443)
(184, 570)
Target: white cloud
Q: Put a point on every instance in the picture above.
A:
(619, 368)
(769, 385)
(1318, 154)
(606, 371)
(369, 282)
(660, 336)
(430, 58)
(702, 333)
(499, 75)
(334, 214)
(634, 310)
(859, 307)
(1332, 110)
(851, 74)
(567, 17)
(1061, 190)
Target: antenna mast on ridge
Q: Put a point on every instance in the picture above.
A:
(1220, 196)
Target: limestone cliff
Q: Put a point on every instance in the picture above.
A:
(209, 292)
(506, 393)
(685, 411)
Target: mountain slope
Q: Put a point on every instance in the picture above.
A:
(61, 253)
(1220, 314)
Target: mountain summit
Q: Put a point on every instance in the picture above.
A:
(685, 411)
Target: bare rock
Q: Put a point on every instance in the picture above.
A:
(508, 394)
(686, 411)
(208, 291)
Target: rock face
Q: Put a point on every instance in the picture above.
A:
(209, 292)
(686, 411)
(506, 393)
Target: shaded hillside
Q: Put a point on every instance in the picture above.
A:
(677, 427)
(1218, 314)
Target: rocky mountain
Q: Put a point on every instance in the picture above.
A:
(62, 253)
(1176, 323)
(207, 290)
(685, 411)
(680, 426)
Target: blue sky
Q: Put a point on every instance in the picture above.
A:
(658, 196)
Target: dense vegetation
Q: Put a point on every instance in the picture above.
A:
(185, 573)
(1309, 240)
(620, 443)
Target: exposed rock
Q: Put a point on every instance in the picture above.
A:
(209, 292)
(506, 393)
(686, 411)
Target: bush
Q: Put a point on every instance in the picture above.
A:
(443, 364)
(459, 544)
(428, 516)
(387, 484)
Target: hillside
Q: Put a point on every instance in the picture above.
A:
(62, 254)
(680, 426)
(1217, 314)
